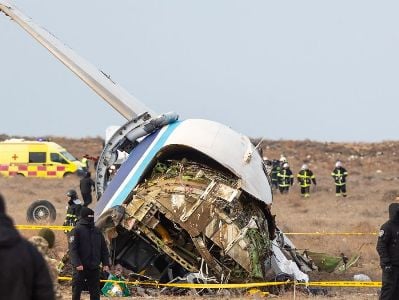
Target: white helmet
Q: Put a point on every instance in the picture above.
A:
(338, 164)
(304, 167)
(285, 165)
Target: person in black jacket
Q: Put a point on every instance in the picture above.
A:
(339, 175)
(276, 167)
(88, 250)
(285, 179)
(73, 209)
(305, 178)
(24, 274)
(388, 250)
(87, 185)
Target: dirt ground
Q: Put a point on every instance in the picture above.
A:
(372, 185)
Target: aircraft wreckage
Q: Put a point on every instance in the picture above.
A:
(191, 201)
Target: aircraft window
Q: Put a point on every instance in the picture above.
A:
(55, 157)
(37, 157)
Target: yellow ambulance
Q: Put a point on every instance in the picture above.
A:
(36, 159)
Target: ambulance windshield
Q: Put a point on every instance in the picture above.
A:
(68, 156)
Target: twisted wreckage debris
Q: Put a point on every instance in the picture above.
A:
(189, 222)
(186, 216)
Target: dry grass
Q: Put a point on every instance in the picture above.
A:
(364, 210)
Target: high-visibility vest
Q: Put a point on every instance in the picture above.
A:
(305, 178)
(285, 177)
(85, 162)
(339, 175)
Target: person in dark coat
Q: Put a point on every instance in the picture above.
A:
(87, 185)
(388, 250)
(306, 178)
(339, 175)
(73, 209)
(273, 173)
(88, 250)
(285, 179)
(24, 274)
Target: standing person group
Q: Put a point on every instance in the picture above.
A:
(282, 177)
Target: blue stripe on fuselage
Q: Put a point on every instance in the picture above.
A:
(123, 171)
(127, 167)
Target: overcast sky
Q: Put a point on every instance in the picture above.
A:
(320, 70)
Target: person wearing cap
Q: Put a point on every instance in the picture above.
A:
(73, 208)
(24, 274)
(305, 178)
(44, 241)
(88, 251)
(339, 175)
(285, 179)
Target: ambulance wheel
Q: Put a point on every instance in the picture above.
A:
(41, 211)
(67, 174)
